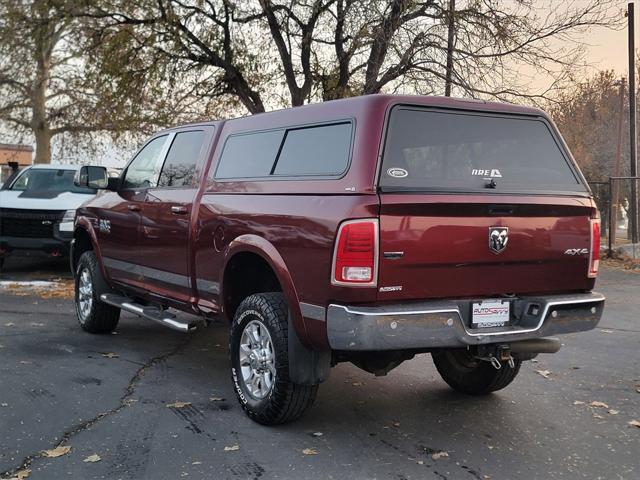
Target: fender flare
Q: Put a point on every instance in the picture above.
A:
(306, 365)
(267, 251)
(83, 223)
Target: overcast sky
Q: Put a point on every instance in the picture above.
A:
(607, 49)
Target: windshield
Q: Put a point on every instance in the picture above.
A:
(48, 180)
(445, 151)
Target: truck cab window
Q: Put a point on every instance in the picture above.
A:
(179, 168)
(144, 170)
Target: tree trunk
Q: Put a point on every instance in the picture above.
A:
(381, 36)
(39, 122)
(251, 100)
(43, 47)
(247, 96)
(43, 145)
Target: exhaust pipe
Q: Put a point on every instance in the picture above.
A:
(536, 345)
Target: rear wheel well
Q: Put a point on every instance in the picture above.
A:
(245, 274)
(82, 243)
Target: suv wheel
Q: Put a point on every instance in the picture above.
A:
(260, 362)
(93, 315)
(470, 375)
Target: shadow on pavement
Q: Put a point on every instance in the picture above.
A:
(34, 266)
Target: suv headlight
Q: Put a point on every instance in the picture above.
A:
(66, 224)
(69, 216)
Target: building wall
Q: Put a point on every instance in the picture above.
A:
(22, 154)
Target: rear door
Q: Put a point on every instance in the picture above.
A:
(479, 205)
(166, 215)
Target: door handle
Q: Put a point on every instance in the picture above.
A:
(133, 207)
(150, 233)
(179, 210)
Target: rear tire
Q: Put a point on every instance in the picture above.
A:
(468, 375)
(260, 362)
(93, 315)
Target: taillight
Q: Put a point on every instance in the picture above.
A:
(355, 259)
(594, 256)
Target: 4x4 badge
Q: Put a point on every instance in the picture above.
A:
(498, 238)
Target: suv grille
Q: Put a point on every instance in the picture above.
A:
(15, 222)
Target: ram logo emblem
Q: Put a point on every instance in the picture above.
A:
(498, 238)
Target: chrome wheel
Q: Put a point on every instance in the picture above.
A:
(257, 359)
(85, 293)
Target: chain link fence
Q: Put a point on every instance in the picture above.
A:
(615, 199)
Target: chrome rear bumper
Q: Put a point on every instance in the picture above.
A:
(446, 324)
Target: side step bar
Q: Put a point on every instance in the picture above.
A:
(150, 313)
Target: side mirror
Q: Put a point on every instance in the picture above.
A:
(92, 177)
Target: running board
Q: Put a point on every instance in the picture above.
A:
(150, 313)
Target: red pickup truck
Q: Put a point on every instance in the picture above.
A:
(366, 230)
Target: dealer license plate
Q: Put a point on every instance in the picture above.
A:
(490, 313)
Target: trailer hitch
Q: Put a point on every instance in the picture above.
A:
(495, 356)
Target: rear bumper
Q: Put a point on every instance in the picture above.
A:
(446, 324)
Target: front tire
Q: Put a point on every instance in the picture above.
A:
(260, 362)
(93, 315)
(472, 376)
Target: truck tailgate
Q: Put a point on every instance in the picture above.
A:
(439, 246)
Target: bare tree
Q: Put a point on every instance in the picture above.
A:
(43, 89)
(475, 48)
(213, 56)
(593, 116)
(489, 49)
(56, 83)
(30, 61)
(175, 41)
(587, 114)
(290, 25)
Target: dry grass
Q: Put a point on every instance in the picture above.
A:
(622, 263)
(63, 289)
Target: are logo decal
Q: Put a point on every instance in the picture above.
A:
(397, 172)
(490, 173)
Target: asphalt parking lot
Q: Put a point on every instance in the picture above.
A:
(118, 397)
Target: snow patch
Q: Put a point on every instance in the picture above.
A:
(28, 284)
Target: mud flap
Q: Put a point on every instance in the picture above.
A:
(306, 367)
